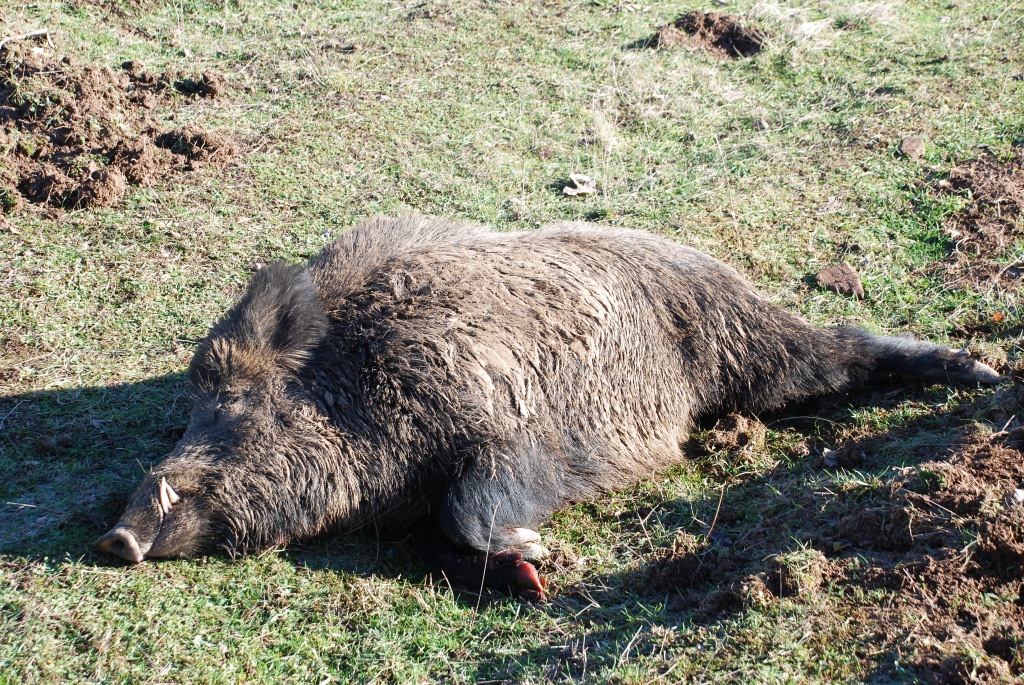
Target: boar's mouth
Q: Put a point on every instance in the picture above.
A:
(123, 542)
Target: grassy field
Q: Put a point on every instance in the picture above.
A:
(865, 538)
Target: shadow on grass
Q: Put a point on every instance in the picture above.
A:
(861, 547)
(70, 458)
(867, 517)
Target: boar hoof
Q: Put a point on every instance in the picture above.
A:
(533, 551)
(510, 571)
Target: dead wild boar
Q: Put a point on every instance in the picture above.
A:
(434, 373)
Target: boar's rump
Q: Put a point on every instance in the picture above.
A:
(428, 372)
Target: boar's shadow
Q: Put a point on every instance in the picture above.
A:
(70, 459)
(867, 517)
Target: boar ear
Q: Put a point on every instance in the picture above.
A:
(279, 320)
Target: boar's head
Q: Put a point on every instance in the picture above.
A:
(249, 471)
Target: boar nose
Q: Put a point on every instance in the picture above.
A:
(122, 543)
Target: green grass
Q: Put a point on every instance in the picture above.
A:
(777, 164)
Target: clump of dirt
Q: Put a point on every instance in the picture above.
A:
(75, 137)
(735, 441)
(208, 85)
(842, 279)
(721, 34)
(734, 432)
(1000, 550)
(987, 229)
(797, 573)
(913, 147)
(934, 550)
(199, 146)
(962, 546)
(754, 593)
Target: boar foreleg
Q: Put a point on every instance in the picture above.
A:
(505, 571)
(503, 493)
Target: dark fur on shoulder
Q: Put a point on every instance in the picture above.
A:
(422, 370)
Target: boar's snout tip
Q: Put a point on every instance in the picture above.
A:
(120, 542)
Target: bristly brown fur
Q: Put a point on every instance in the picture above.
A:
(422, 369)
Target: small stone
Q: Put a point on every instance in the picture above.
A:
(579, 184)
(842, 279)
(912, 147)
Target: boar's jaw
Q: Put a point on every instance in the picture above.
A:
(124, 540)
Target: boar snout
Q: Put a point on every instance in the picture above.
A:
(120, 542)
(152, 525)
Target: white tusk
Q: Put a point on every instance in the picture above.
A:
(172, 496)
(165, 505)
(168, 496)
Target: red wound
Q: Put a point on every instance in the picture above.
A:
(527, 582)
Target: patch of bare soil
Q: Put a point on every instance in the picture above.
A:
(734, 440)
(954, 533)
(986, 230)
(721, 34)
(939, 548)
(734, 432)
(78, 136)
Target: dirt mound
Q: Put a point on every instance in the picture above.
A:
(734, 444)
(962, 562)
(720, 34)
(77, 137)
(199, 146)
(933, 553)
(734, 432)
(986, 230)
